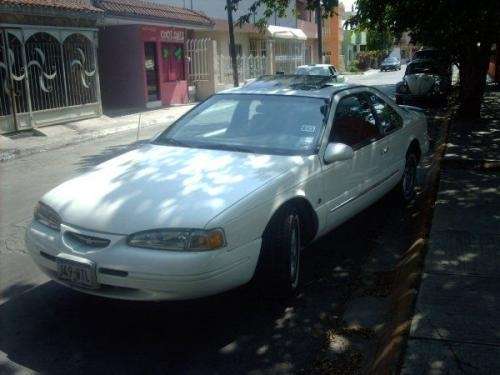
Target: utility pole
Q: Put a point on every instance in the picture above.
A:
(319, 21)
(232, 47)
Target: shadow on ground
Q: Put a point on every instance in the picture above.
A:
(51, 329)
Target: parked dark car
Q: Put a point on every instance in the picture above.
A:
(424, 81)
(390, 63)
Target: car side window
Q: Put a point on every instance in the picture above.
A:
(389, 119)
(354, 123)
(332, 71)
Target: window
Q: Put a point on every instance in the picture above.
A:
(269, 124)
(389, 119)
(354, 123)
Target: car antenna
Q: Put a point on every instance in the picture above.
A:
(138, 126)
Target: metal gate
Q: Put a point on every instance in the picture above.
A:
(48, 76)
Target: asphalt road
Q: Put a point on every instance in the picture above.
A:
(46, 328)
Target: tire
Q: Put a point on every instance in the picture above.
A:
(406, 187)
(278, 269)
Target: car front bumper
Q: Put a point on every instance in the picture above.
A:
(124, 272)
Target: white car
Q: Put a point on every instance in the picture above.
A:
(320, 70)
(230, 193)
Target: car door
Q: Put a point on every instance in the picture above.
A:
(345, 182)
(392, 153)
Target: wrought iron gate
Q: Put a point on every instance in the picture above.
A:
(48, 76)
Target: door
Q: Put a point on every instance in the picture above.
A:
(390, 123)
(151, 68)
(346, 182)
(15, 105)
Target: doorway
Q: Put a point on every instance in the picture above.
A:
(151, 68)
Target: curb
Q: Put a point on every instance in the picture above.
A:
(393, 338)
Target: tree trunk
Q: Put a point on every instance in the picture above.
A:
(232, 46)
(319, 25)
(473, 69)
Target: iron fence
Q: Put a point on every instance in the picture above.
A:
(45, 71)
(248, 67)
(197, 59)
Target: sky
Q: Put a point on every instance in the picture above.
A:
(347, 4)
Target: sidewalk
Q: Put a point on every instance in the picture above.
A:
(56, 136)
(456, 324)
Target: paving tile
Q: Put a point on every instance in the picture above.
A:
(468, 201)
(437, 357)
(461, 308)
(465, 253)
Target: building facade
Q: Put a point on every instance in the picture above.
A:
(142, 53)
(48, 66)
(295, 33)
(333, 36)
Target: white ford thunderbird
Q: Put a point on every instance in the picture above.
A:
(230, 193)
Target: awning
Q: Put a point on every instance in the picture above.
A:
(281, 32)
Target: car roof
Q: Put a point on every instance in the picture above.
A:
(315, 65)
(292, 85)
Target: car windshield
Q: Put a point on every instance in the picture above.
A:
(267, 124)
(313, 71)
(427, 67)
(391, 60)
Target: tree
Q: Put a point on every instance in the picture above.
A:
(230, 7)
(379, 41)
(464, 30)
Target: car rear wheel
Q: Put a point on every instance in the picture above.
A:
(278, 270)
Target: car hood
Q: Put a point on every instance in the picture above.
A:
(162, 186)
(420, 83)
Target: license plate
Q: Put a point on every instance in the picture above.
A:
(79, 274)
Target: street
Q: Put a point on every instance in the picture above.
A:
(47, 328)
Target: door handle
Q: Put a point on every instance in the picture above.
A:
(384, 150)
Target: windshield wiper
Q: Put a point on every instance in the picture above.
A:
(172, 142)
(219, 146)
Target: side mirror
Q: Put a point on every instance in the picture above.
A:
(337, 152)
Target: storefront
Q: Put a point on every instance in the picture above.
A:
(142, 53)
(164, 65)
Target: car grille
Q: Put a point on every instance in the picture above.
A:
(88, 240)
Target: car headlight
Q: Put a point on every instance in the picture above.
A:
(178, 239)
(47, 216)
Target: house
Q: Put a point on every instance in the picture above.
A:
(142, 52)
(48, 69)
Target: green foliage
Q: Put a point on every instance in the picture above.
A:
(377, 40)
(449, 25)
(369, 59)
(279, 8)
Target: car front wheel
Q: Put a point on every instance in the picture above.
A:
(278, 271)
(408, 182)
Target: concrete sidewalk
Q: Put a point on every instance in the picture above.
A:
(53, 137)
(456, 325)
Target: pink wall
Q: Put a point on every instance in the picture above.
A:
(172, 91)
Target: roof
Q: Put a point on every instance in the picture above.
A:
(294, 85)
(69, 5)
(281, 32)
(138, 8)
